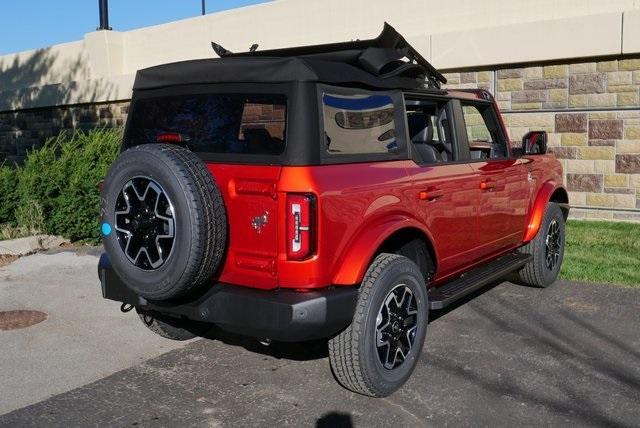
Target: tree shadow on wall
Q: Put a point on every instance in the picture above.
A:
(31, 83)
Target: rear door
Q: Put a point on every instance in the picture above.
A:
(445, 193)
(501, 180)
(251, 202)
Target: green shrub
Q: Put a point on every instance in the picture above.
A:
(30, 217)
(61, 180)
(8, 194)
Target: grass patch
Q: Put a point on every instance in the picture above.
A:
(601, 251)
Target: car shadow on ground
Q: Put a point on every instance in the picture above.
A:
(317, 349)
(311, 350)
(302, 351)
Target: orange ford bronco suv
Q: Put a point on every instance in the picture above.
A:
(322, 192)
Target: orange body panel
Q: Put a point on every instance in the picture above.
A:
(465, 221)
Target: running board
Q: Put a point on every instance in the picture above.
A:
(470, 281)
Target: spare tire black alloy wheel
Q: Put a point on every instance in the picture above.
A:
(144, 223)
(164, 223)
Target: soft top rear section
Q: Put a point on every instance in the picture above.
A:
(263, 70)
(386, 62)
(209, 105)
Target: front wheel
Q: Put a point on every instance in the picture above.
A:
(377, 353)
(546, 250)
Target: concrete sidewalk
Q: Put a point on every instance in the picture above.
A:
(83, 339)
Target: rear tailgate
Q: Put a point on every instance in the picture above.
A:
(251, 201)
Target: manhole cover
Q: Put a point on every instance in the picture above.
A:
(12, 320)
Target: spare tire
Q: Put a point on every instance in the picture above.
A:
(164, 224)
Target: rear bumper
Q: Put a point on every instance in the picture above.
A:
(282, 315)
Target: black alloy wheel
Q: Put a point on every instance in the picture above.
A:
(553, 243)
(546, 250)
(145, 223)
(377, 353)
(396, 326)
(163, 221)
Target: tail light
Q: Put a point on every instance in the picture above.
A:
(172, 137)
(301, 225)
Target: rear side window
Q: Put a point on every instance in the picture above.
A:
(212, 123)
(359, 124)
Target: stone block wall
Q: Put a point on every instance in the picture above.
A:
(591, 111)
(26, 129)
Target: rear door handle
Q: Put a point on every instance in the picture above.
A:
(487, 185)
(430, 194)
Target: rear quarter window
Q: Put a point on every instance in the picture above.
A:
(359, 124)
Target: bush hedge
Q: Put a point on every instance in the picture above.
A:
(60, 181)
(8, 194)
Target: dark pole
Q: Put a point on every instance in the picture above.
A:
(104, 15)
(203, 7)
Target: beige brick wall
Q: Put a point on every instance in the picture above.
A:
(591, 110)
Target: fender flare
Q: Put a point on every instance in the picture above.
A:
(353, 265)
(536, 213)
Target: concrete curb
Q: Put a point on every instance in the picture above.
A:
(30, 244)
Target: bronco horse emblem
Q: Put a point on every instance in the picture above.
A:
(260, 221)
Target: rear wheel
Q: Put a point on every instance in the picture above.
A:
(377, 353)
(172, 328)
(546, 249)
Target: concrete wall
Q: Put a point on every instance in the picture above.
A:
(452, 34)
(543, 59)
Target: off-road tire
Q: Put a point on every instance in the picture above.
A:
(199, 212)
(172, 328)
(536, 273)
(353, 354)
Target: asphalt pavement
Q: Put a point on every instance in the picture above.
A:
(508, 356)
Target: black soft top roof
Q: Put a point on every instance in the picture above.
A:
(385, 62)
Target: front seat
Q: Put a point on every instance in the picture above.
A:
(446, 149)
(422, 137)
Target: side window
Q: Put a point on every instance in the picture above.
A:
(359, 124)
(482, 133)
(430, 131)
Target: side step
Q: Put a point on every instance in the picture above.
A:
(470, 281)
